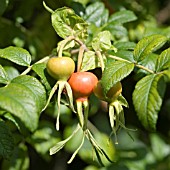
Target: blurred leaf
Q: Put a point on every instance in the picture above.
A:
(12, 72)
(4, 79)
(163, 61)
(19, 160)
(17, 55)
(44, 138)
(6, 141)
(67, 23)
(73, 143)
(57, 147)
(3, 6)
(96, 13)
(121, 17)
(159, 148)
(102, 41)
(147, 45)
(24, 98)
(147, 99)
(112, 76)
(40, 70)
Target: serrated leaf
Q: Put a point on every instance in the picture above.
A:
(147, 45)
(102, 41)
(3, 76)
(147, 99)
(118, 31)
(125, 45)
(35, 87)
(40, 70)
(163, 61)
(17, 55)
(96, 13)
(19, 160)
(6, 141)
(115, 71)
(22, 98)
(67, 23)
(122, 17)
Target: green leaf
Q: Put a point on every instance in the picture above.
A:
(118, 31)
(125, 45)
(166, 73)
(35, 87)
(127, 55)
(40, 70)
(67, 23)
(159, 148)
(97, 14)
(115, 71)
(6, 141)
(19, 160)
(149, 62)
(3, 76)
(17, 55)
(147, 99)
(163, 61)
(148, 45)
(24, 97)
(12, 72)
(90, 61)
(122, 17)
(23, 130)
(102, 41)
(3, 6)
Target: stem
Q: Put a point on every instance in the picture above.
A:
(47, 8)
(63, 45)
(144, 68)
(119, 59)
(99, 55)
(80, 57)
(137, 65)
(30, 67)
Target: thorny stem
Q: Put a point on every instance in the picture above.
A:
(137, 65)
